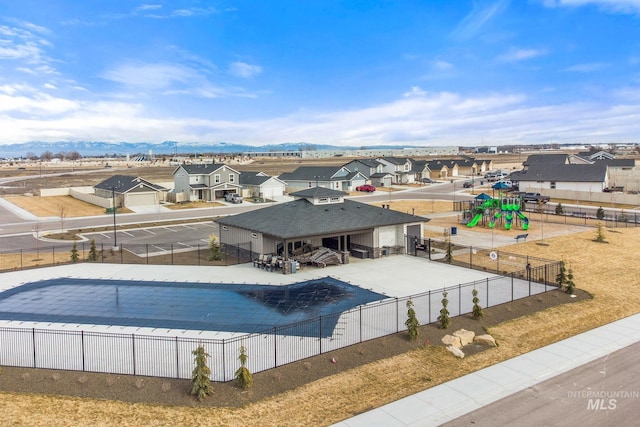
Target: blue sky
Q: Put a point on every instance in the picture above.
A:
(358, 73)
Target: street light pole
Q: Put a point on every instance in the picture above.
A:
(115, 238)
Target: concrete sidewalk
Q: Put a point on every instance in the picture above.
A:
(463, 395)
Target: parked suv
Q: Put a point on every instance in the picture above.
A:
(367, 188)
(233, 198)
(535, 197)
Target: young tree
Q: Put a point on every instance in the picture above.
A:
(412, 321)
(561, 278)
(444, 318)
(201, 384)
(600, 213)
(214, 249)
(63, 212)
(243, 375)
(448, 256)
(559, 209)
(74, 253)
(477, 312)
(600, 234)
(571, 286)
(93, 252)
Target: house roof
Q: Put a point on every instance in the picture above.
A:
(396, 160)
(310, 173)
(125, 183)
(253, 178)
(371, 163)
(555, 159)
(315, 192)
(301, 218)
(202, 169)
(596, 172)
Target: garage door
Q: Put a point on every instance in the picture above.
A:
(140, 199)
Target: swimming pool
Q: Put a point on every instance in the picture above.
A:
(243, 308)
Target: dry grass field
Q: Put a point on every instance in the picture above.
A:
(53, 206)
(607, 270)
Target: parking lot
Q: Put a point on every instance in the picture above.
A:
(158, 240)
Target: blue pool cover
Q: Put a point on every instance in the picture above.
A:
(198, 306)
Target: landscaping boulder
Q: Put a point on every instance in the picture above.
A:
(486, 340)
(456, 351)
(450, 340)
(466, 337)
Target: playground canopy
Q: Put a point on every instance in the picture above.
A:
(483, 196)
(500, 186)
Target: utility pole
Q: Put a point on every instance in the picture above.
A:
(115, 238)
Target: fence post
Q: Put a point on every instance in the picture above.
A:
(429, 306)
(429, 248)
(224, 358)
(275, 350)
(53, 255)
(133, 348)
(20, 259)
(178, 360)
(102, 252)
(172, 254)
(320, 332)
(360, 306)
(471, 257)
(82, 344)
(147, 250)
(198, 252)
(397, 316)
(487, 304)
(33, 339)
(121, 254)
(459, 299)
(512, 273)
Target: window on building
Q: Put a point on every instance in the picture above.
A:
(216, 178)
(553, 185)
(232, 178)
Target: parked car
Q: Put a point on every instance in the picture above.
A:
(467, 184)
(535, 198)
(428, 181)
(233, 198)
(366, 188)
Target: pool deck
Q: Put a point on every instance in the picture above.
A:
(394, 276)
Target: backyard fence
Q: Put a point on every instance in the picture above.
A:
(151, 254)
(171, 357)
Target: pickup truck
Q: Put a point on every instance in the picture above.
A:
(535, 198)
(233, 198)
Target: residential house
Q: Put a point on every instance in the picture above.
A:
(130, 191)
(206, 182)
(400, 167)
(441, 169)
(373, 170)
(334, 177)
(259, 185)
(421, 169)
(553, 176)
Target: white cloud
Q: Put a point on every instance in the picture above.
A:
(480, 15)
(612, 6)
(442, 65)
(515, 55)
(418, 117)
(244, 70)
(49, 86)
(150, 76)
(149, 7)
(586, 68)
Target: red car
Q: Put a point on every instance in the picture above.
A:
(368, 188)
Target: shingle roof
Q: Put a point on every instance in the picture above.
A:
(253, 178)
(596, 172)
(301, 218)
(125, 183)
(315, 192)
(202, 169)
(310, 173)
(555, 159)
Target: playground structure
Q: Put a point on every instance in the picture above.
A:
(492, 211)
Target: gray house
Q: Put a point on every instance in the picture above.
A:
(130, 191)
(320, 217)
(262, 186)
(336, 178)
(206, 182)
(400, 168)
(373, 170)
